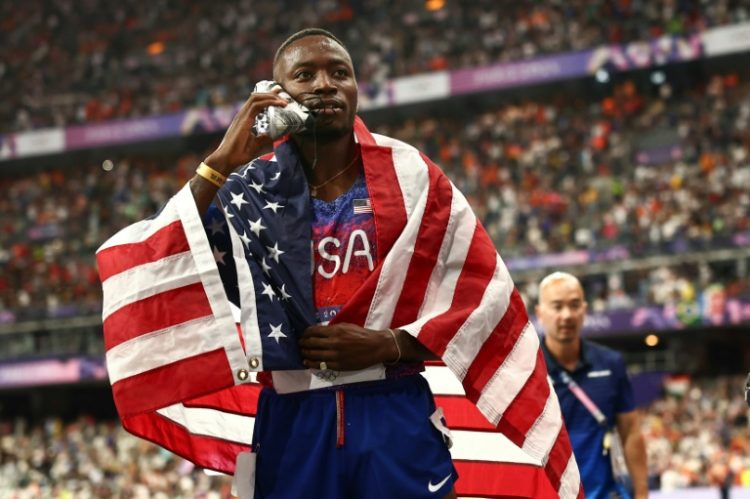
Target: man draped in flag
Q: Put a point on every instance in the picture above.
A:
(346, 259)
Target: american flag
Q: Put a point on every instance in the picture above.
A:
(362, 205)
(181, 363)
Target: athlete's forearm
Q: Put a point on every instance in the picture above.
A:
(203, 193)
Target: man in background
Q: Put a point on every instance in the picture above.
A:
(595, 394)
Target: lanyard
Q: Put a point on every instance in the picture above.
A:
(585, 400)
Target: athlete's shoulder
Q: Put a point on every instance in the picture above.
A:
(385, 141)
(407, 152)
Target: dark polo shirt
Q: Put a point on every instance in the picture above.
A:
(602, 375)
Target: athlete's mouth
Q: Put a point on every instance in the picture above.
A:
(326, 108)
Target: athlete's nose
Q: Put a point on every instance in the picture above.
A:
(323, 83)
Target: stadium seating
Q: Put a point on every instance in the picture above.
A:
(64, 63)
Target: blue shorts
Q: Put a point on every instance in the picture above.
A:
(363, 441)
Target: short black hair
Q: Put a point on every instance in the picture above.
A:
(303, 34)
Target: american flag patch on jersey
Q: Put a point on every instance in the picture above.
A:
(362, 206)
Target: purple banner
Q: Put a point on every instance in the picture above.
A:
(516, 74)
(207, 120)
(617, 253)
(191, 122)
(639, 54)
(8, 149)
(625, 57)
(51, 371)
(659, 155)
(566, 259)
(121, 132)
(713, 310)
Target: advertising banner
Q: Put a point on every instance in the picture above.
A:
(51, 371)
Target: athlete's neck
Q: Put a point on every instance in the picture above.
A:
(326, 159)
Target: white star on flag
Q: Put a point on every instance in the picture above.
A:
(238, 199)
(226, 212)
(256, 226)
(274, 252)
(268, 291)
(258, 187)
(272, 206)
(216, 227)
(219, 255)
(276, 176)
(284, 294)
(245, 239)
(276, 333)
(266, 268)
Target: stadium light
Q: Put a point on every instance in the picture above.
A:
(602, 75)
(155, 48)
(652, 340)
(433, 5)
(658, 77)
(107, 165)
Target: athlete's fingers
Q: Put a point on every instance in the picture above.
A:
(314, 337)
(253, 106)
(258, 104)
(316, 344)
(329, 363)
(262, 96)
(318, 332)
(239, 145)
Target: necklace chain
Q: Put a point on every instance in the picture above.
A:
(314, 187)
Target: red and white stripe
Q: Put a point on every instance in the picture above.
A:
(171, 337)
(442, 281)
(489, 465)
(174, 369)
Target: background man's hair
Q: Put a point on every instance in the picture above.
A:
(303, 34)
(557, 276)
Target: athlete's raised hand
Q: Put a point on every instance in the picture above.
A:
(240, 145)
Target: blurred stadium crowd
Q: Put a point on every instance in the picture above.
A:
(66, 62)
(89, 459)
(697, 436)
(545, 177)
